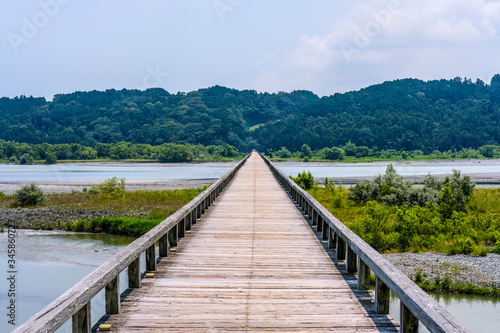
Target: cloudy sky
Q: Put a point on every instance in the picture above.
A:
(326, 46)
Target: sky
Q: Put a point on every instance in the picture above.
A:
(325, 46)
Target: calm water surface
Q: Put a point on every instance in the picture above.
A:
(63, 172)
(479, 314)
(50, 262)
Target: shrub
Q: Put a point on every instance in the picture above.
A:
(304, 180)
(497, 247)
(30, 195)
(109, 186)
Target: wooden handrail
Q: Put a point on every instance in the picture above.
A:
(415, 300)
(76, 301)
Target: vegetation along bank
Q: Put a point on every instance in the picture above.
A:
(447, 216)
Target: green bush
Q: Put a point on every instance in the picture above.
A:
(30, 195)
(497, 247)
(305, 180)
(109, 186)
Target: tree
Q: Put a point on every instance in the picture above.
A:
(333, 153)
(25, 159)
(305, 151)
(172, 153)
(50, 158)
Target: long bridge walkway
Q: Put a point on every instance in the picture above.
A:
(252, 263)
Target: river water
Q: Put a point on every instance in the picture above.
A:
(49, 263)
(93, 171)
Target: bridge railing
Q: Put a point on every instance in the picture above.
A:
(75, 303)
(416, 305)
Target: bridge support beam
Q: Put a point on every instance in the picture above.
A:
(151, 258)
(134, 274)
(81, 320)
(363, 276)
(113, 296)
(352, 261)
(409, 323)
(382, 297)
(340, 248)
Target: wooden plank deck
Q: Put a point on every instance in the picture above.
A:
(252, 263)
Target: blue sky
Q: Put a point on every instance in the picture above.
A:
(326, 46)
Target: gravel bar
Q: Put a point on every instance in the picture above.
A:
(481, 271)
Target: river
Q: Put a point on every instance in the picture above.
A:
(101, 171)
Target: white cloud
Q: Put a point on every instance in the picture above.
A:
(383, 40)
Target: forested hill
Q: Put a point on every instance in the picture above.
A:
(404, 114)
(216, 115)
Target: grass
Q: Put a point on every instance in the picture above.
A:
(145, 209)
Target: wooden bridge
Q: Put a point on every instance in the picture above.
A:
(250, 262)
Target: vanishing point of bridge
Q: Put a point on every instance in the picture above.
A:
(250, 262)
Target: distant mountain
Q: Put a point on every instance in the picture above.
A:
(404, 114)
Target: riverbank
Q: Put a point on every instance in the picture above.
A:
(467, 273)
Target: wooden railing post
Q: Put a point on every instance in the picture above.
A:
(363, 276)
(188, 222)
(408, 322)
(319, 226)
(181, 228)
(113, 296)
(198, 211)
(134, 274)
(172, 236)
(193, 217)
(352, 261)
(151, 258)
(315, 218)
(81, 320)
(163, 246)
(331, 239)
(382, 297)
(326, 228)
(340, 248)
